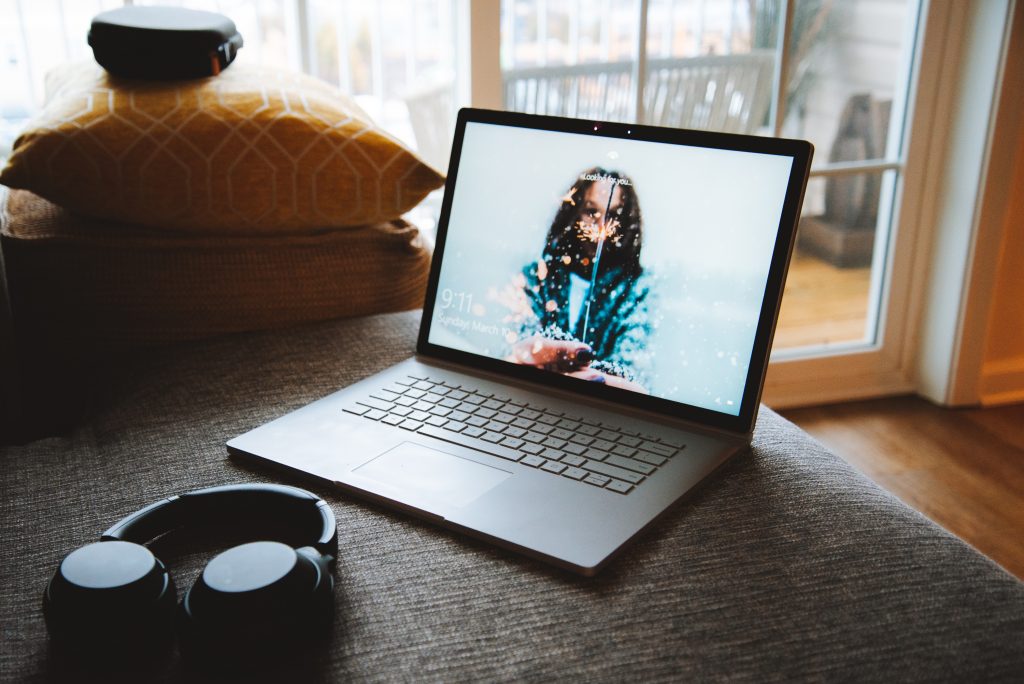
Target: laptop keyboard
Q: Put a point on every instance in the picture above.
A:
(577, 448)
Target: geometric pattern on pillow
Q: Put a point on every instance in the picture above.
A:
(252, 150)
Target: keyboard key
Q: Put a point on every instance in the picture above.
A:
(653, 459)
(423, 406)
(531, 448)
(553, 467)
(473, 431)
(405, 381)
(584, 440)
(467, 407)
(596, 454)
(474, 399)
(597, 480)
(374, 414)
(548, 419)
(629, 441)
(457, 395)
(401, 411)
(393, 420)
(533, 461)
(384, 395)
(437, 421)
(613, 471)
(455, 426)
(588, 429)
(405, 401)
(448, 402)
(513, 431)
(554, 442)
(623, 450)
(357, 409)
(493, 404)
(574, 448)
(608, 435)
(660, 449)
(602, 444)
(574, 473)
(620, 487)
(476, 421)
(440, 390)
(512, 442)
(543, 429)
(431, 398)
(423, 385)
(495, 426)
(561, 434)
(672, 442)
(463, 440)
(458, 415)
(411, 424)
(440, 411)
(486, 412)
(573, 460)
(512, 409)
(419, 415)
(504, 417)
(567, 424)
(377, 404)
(491, 436)
(523, 423)
(533, 436)
(553, 454)
(530, 414)
(414, 393)
(630, 464)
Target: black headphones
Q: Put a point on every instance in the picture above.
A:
(259, 598)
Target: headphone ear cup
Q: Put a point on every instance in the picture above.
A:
(256, 602)
(110, 594)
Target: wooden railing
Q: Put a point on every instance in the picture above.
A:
(717, 92)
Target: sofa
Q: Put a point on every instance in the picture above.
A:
(789, 564)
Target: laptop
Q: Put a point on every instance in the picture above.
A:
(594, 339)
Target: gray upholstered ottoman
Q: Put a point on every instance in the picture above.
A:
(789, 565)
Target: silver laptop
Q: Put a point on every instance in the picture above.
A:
(594, 338)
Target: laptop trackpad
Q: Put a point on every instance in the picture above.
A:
(413, 471)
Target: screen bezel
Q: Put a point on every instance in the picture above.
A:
(742, 423)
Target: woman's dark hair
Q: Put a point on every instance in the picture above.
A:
(563, 237)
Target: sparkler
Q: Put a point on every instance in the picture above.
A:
(597, 233)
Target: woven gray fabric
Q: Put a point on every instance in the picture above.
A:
(789, 565)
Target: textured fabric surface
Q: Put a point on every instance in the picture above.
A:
(94, 283)
(789, 565)
(251, 150)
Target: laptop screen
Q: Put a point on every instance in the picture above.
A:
(612, 257)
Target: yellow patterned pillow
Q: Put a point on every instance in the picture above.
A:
(251, 150)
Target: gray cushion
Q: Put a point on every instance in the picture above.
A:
(790, 564)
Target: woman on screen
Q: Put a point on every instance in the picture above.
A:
(587, 295)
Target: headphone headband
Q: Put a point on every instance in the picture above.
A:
(247, 504)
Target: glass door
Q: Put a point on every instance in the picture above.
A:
(836, 73)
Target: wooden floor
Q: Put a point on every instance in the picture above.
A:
(822, 304)
(963, 468)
